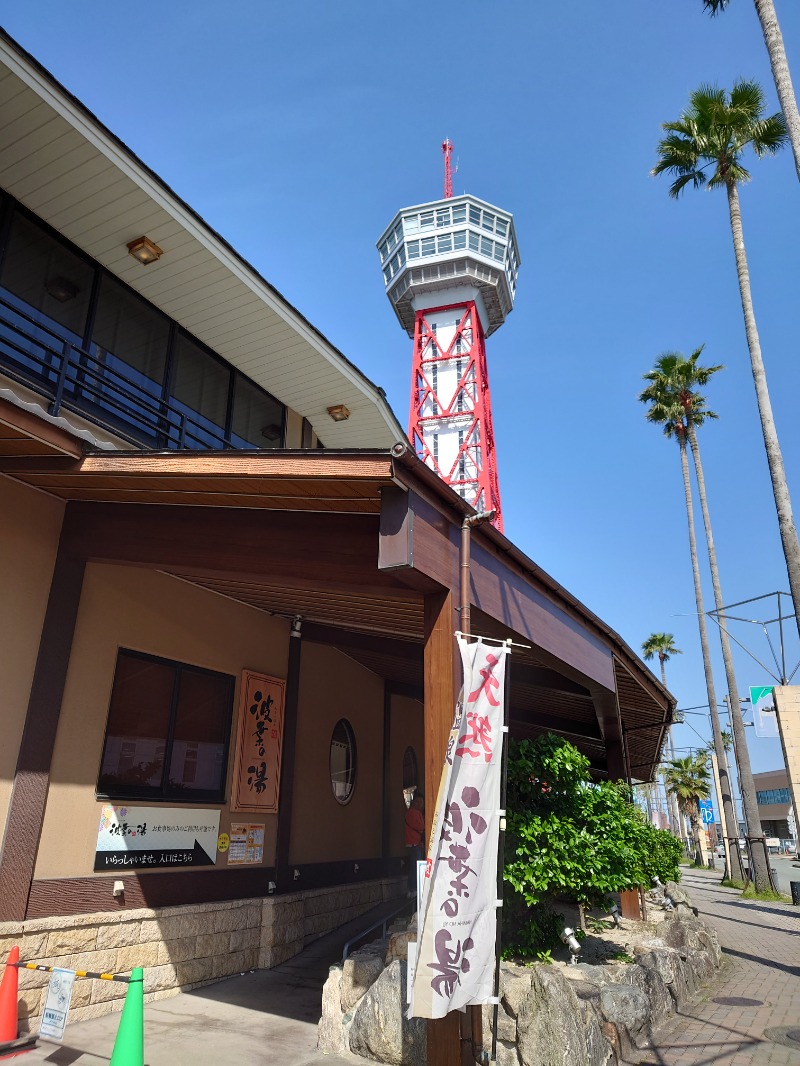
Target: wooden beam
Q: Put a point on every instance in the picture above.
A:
(283, 841)
(556, 724)
(441, 691)
(386, 798)
(278, 544)
(347, 639)
(32, 778)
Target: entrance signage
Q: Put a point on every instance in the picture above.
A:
(155, 838)
(258, 764)
(456, 944)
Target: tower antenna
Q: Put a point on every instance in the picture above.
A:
(447, 151)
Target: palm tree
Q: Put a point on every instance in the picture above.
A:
(773, 38)
(712, 135)
(666, 410)
(688, 780)
(663, 645)
(683, 376)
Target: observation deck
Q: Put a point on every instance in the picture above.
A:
(460, 243)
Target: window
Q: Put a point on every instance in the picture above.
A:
(426, 219)
(501, 227)
(486, 246)
(475, 216)
(411, 223)
(460, 239)
(412, 248)
(343, 761)
(428, 245)
(442, 217)
(201, 385)
(488, 222)
(167, 731)
(773, 795)
(474, 241)
(445, 243)
(459, 214)
(258, 419)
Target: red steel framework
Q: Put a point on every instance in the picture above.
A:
(447, 149)
(466, 412)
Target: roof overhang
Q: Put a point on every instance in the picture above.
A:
(58, 160)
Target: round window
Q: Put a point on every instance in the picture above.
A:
(343, 761)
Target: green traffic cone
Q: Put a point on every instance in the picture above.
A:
(129, 1045)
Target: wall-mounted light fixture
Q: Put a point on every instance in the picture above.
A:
(271, 887)
(296, 874)
(145, 250)
(118, 890)
(339, 413)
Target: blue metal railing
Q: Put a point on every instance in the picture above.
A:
(71, 378)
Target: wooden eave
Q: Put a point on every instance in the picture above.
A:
(198, 517)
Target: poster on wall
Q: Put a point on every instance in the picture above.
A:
(247, 844)
(258, 762)
(155, 838)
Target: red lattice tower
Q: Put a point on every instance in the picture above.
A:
(450, 419)
(450, 270)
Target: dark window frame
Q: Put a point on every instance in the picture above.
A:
(9, 206)
(163, 793)
(352, 748)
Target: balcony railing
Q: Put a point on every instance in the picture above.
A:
(72, 379)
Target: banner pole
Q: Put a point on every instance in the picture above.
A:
(501, 850)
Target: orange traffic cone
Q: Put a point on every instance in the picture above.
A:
(8, 999)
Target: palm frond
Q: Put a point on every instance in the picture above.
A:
(714, 7)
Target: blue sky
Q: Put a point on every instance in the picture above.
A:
(297, 131)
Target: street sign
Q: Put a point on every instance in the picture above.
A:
(706, 811)
(765, 719)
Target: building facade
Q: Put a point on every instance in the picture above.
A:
(230, 591)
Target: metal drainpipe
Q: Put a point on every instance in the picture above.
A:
(475, 1034)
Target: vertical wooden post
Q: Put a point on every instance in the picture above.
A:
(629, 901)
(386, 843)
(32, 778)
(284, 834)
(441, 691)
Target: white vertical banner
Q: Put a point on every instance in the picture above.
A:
(456, 939)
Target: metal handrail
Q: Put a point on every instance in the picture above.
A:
(75, 379)
(383, 922)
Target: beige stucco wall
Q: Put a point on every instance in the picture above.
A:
(146, 611)
(333, 686)
(407, 731)
(30, 524)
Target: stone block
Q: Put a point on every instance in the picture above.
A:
(212, 944)
(175, 951)
(628, 1008)
(157, 978)
(119, 935)
(193, 971)
(107, 991)
(70, 941)
(359, 972)
(243, 939)
(32, 947)
(381, 1031)
(136, 955)
(330, 1031)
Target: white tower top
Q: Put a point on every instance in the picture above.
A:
(433, 252)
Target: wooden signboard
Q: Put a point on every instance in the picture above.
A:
(258, 762)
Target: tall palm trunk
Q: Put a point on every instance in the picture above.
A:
(672, 802)
(701, 624)
(780, 489)
(780, 72)
(760, 872)
(694, 820)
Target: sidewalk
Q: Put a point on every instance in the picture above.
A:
(761, 971)
(265, 1016)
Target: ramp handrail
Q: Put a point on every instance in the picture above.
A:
(383, 922)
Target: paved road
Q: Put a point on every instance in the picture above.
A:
(761, 942)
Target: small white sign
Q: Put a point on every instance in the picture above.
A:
(155, 837)
(56, 1005)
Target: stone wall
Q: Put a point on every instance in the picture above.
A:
(179, 947)
(549, 1015)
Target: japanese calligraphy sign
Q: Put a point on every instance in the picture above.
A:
(456, 944)
(259, 749)
(155, 838)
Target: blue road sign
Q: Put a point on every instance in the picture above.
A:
(706, 811)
